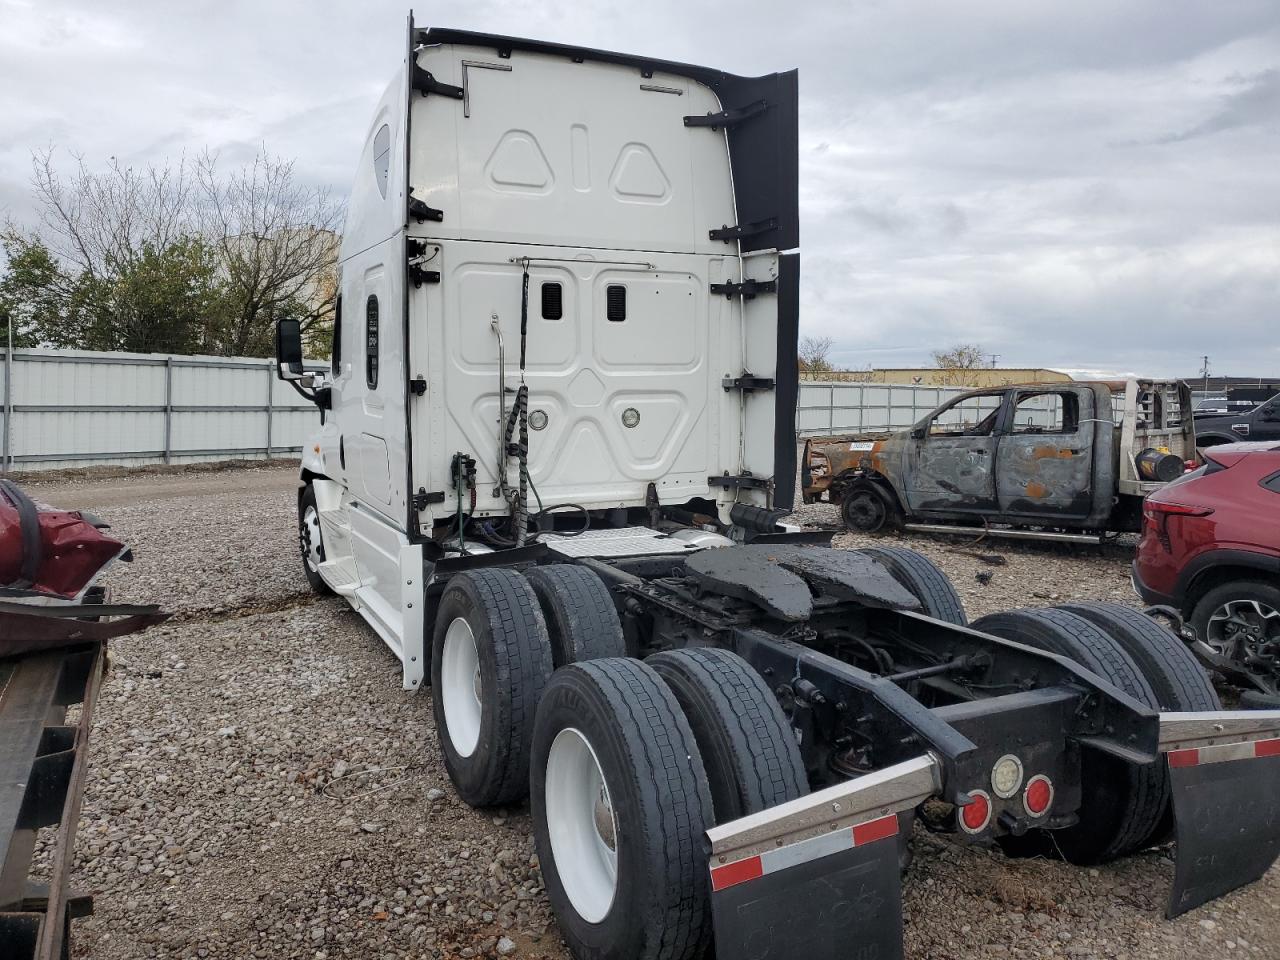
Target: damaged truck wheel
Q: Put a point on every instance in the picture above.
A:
(619, 802)
(865, 508)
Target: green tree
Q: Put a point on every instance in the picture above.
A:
(32, 289)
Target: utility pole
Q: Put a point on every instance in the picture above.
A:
(6, 462)
(994, 358)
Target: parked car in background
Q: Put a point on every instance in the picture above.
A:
(1210, 548)
(1072, 460)
(1261, 422)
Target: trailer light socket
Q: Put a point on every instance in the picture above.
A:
(538, 420)
(975, 815)
(1006, 776)
(631, 417)
(1037, 798)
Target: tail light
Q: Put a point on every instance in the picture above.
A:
(976, 814)
(818, 465)
(1157, 514)
(1038, 795)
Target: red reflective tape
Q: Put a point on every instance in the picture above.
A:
(874, 830)
(1184, 758)
(1266, 748)
(734, 873)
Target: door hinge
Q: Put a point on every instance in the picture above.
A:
(728, 118)
(425, 83)
(747, 383)
(422, 499)
(728, 233)
(741, 482)
(747, 289)
(419, 275)
(419, 210)
(418, 386)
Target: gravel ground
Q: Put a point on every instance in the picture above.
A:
(261, 787)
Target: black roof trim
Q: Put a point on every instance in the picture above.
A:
(504, 45)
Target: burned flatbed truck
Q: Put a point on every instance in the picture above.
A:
(555, 464)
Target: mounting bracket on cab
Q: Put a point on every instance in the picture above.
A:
(730, 117)
(747, 383)
(425, 83)
(422, 499)
(740, 482)
(728, 233)
(747, 289)
(418, 386)
(419, 210)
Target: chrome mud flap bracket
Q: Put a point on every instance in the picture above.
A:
(1224, 773)
(818, 878)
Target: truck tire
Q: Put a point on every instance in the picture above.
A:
(1121, 803)
(619, 801)
(580, 615)
(490, 661)
(922, 577)
(1176, 677)
(311, 541)
(747, 744)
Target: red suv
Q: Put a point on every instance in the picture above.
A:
(1211, 548)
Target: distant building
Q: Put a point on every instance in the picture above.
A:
(935, 377)
(1220, 385)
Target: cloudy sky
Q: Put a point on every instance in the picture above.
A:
(1088, 186)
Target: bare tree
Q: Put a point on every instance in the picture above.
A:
(957, 361)
(277, 241)
(113, 263)
(814, 356)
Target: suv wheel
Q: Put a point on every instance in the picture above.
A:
(1241, 620)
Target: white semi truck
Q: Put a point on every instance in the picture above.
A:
(556, 456)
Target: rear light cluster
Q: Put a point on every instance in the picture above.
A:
(818, 465)
(1157, 514)
(1006, 779)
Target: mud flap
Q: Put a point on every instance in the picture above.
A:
(818, 877)
(1224, 774)
(1228, 822)
(833, 897)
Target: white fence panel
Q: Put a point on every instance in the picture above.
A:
(825, 408)
(73, 408)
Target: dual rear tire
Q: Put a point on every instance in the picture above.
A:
(1125, 806)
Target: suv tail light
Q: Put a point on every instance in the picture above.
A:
(1157, 515)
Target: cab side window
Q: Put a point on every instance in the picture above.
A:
(335, 350)
(1045, 413)
(971, 417)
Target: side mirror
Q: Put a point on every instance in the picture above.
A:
(289, 350)
(920, 432)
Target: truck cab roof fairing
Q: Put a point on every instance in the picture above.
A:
(759, 115)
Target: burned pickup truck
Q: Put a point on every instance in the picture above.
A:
(1064, 461)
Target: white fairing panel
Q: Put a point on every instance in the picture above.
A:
(587, 175)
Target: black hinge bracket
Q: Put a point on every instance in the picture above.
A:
(747, 289)
(419, 276)
(418, 386)
(419, 210)
(425, 83)
(747, 383)
(741, 482)
(422, 499)
(728, 234)
(728, 118)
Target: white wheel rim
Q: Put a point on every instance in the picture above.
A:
(460, 687)
(310, 535)
(581, 825)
